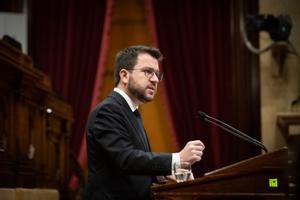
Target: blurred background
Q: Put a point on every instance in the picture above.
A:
(234, 60)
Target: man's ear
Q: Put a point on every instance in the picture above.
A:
(124, 76)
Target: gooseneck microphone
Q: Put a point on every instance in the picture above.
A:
(231, 130)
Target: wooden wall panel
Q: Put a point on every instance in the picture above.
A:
(34, 144)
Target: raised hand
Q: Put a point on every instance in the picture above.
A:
(192, 152)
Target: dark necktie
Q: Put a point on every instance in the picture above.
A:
(141, 126)
(160, 179)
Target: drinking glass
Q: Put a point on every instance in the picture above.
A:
(182, 171)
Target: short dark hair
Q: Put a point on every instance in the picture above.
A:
(127, 58)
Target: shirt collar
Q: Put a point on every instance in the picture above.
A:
(131, 104)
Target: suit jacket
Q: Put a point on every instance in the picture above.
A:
(120, 162)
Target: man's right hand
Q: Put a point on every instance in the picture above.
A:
(192, 152)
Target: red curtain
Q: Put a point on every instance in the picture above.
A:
(195, 38)
(64, 41)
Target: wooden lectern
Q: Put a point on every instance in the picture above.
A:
(261, 177)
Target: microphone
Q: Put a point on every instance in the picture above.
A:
(231, 130)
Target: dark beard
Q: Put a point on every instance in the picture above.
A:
(138, 93)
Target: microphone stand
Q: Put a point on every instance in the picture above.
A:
(231, 130)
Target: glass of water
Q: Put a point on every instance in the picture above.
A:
(182, 171)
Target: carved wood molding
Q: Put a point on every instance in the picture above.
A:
(285, 120)
(34, 144)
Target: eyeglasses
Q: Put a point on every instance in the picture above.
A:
(149, 72)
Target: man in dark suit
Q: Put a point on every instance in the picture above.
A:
(120, 162)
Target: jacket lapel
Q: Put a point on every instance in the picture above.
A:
(137, 132)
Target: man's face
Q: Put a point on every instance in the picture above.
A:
(142, 83)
